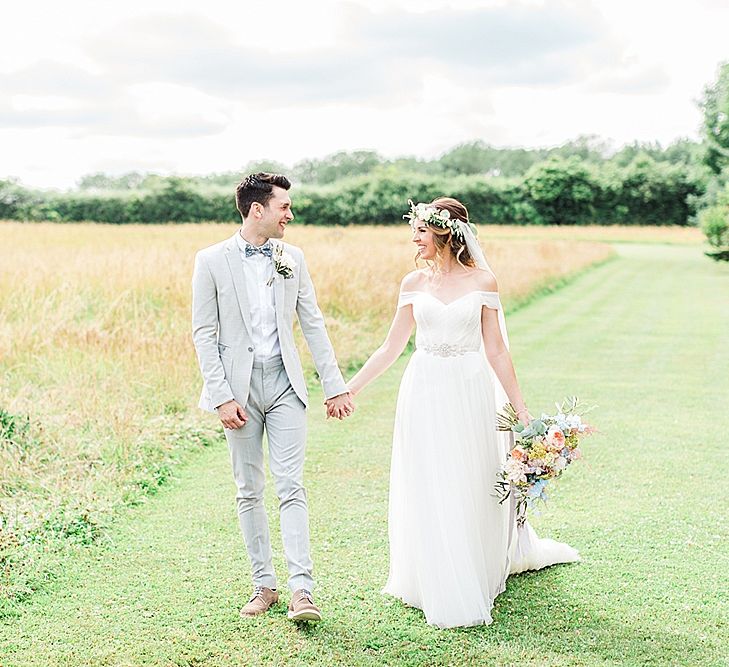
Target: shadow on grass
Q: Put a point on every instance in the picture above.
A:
(538, 620)
(541, 608)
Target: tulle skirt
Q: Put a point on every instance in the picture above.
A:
(452, 545)
(449, 537)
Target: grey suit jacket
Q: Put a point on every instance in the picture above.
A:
(221, 326)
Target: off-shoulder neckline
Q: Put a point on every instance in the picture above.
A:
(463, 296)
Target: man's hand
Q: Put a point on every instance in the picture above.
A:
(232, 414)
(340, 406)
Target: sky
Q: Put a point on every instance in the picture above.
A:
(207, 86)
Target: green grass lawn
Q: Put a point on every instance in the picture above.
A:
(645, 337)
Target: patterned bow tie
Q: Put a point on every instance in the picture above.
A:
(265, 249)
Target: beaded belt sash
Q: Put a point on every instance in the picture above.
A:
(446, 350)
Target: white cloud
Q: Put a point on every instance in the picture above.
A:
(196, 87)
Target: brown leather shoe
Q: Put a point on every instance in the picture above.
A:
(302, 607)
(262, 600)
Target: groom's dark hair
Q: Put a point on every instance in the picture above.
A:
(258, 187)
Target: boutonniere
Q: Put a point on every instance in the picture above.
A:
(283, 263)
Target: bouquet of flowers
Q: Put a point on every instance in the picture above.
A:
(542, 452)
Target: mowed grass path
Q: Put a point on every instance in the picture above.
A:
(645, 337)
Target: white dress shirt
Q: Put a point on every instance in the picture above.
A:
(258, 270)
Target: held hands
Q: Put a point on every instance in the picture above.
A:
(340, 406)
(232, 414)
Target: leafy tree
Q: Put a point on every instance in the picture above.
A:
(413, 165)
(101, 181)
(470, 158)
(714, 222)
(477, 157)
(270, 166)
(562, 191)
(338, 165)
(657, 193)
(12, 198)
(682, 151)
(588, 148)
(715, 105)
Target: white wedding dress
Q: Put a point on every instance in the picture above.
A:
(452, 545)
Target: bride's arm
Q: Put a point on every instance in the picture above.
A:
(385, 355)
(500, 360)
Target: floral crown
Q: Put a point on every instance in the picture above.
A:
(430, 215)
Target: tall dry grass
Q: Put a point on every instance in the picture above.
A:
(96, 358)
(603, 233)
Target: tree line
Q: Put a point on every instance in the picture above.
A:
(578, 183)
(558, 190)
(467, 159)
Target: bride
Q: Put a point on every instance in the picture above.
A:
(452, 545)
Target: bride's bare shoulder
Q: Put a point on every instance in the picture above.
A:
(485, 280)
(413, 281)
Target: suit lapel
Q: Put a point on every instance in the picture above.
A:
(235, 264)
(278, 286)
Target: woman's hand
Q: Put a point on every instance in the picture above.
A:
(523, 416)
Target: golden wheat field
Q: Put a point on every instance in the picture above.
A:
(604, 233)
(109, 306)
(97, 369)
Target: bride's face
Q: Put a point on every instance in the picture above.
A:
(423, 238)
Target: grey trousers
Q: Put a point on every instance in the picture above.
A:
(274, 406)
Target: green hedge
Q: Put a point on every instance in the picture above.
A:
(555, 192)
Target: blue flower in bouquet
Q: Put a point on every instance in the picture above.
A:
(574, 422)
(563, 423)
(537, 491)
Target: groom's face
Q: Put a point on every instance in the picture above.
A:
(276, 214)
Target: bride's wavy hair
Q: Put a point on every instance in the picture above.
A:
(445, 241)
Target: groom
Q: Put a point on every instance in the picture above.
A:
(245, 292)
